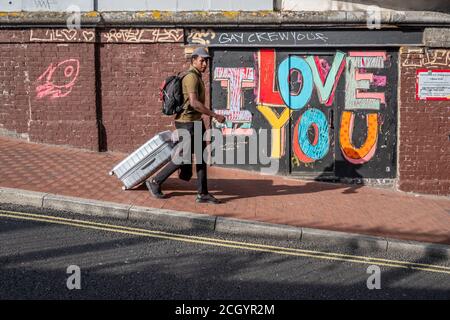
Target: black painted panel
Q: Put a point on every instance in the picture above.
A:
(303, 38)
(324, 132)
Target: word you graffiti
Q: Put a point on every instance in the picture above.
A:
(58, 80)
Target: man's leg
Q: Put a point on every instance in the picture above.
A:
(202, 181)
(154, 185)
(166, 172)
(202, 176)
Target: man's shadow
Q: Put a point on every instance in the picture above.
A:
(233, 189)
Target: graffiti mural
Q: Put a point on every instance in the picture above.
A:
(200, 36)
(421, 57)
(269, 101)
(234, 81)
(305, 150)
(130, 35)
(143, 35)
(355, 99)
(327, 111)
(61, 35)
(58, 80)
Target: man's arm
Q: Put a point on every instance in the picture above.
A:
(200, 107)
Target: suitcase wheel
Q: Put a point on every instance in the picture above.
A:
(111, 173)
(124, 188)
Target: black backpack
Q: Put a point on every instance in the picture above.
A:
(171, 94)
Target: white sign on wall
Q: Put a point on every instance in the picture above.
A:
(433, 85)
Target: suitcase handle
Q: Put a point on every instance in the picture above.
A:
(148, 164)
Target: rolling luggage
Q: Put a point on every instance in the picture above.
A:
(145, 161)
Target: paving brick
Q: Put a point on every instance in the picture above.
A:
(249, 196)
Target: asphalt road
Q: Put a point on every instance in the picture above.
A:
(120, 259)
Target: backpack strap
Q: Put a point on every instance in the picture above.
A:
(183, 74)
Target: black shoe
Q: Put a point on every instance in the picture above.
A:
(207, 198)
(155, 189)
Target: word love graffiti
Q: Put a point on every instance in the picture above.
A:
(317, 73)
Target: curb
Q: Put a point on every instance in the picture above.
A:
(88, 207)
(351, 240)
(172, 217)
(217, 224)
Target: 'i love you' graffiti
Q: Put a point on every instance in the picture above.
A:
(300, 84)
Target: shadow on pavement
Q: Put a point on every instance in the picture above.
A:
(233, 189)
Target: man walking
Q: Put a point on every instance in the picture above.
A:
(190, 117)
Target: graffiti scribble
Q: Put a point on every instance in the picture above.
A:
(202, 36)
(61, 35)
(58, 80)
(135, 35)
(418, 57)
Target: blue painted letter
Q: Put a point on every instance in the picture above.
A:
(295, 102)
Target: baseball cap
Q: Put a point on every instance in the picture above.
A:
(201, 52)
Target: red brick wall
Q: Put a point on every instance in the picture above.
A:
(47, 90)
(424, 142)
(68, 116)
(131, 75)
(60, 106)
(14, 89)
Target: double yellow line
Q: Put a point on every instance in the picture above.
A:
(226, 243)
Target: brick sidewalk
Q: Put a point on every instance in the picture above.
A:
(247, 195)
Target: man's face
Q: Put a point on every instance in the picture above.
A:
(200, 64)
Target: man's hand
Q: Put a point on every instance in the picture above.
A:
(200, 107)
(220, 118)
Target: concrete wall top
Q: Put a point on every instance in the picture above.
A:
(201, 19)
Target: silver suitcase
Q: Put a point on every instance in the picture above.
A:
(145, 161)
